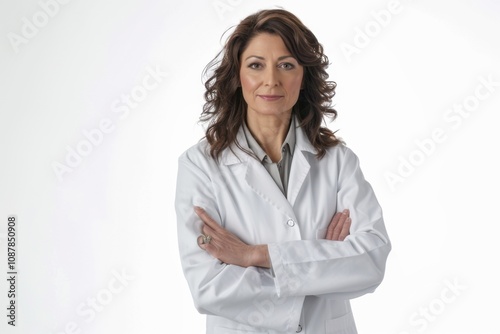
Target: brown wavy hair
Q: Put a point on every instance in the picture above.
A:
(225, 108)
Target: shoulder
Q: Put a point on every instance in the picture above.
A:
(197, 154)
(343, 160)
(341, 153)
(336, 153)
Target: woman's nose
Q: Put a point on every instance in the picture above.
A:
(271, 77)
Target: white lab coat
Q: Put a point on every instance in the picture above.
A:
(312, 279)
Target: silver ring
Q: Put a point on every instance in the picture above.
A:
(205, 239)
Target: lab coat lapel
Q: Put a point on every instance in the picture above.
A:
(256, 175)
(299, 171)
(261, 182)
(300, 165)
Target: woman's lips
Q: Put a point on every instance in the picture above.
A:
(270, 97)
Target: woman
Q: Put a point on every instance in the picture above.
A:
(277, 226)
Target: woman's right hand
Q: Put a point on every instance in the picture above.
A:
(227, 247)
(339, 226)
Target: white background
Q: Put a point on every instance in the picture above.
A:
(112, 213)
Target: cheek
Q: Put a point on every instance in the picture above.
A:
(295, 85)
(247, 83)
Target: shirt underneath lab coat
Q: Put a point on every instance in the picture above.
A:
(280, 171)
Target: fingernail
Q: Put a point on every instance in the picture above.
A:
(345, 212)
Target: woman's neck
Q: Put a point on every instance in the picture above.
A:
(270, 132)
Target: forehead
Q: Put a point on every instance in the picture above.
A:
(266, 44)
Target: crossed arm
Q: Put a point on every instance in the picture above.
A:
(228, 248)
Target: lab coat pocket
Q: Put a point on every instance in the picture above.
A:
(342, 325)
(223, 330)
(321, 233)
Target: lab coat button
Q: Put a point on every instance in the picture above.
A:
(299, 329)
(290, 223)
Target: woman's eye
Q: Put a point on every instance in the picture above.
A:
(254, 66)
(287, 66)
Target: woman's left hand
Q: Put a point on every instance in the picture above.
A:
(227, 247)
(339, 227)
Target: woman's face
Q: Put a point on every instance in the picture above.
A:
(270, 77)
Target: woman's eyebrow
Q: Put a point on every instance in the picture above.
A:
(262, 58)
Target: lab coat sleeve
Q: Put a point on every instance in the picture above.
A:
(343, 269)
(245, 295)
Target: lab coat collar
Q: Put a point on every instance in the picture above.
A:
(259, 179)
(302, 143)
(234, 154)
